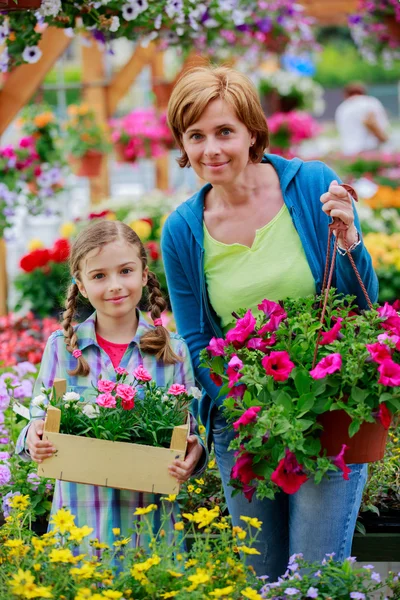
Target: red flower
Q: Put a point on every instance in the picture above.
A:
(340, 462)
(289, 474)
(237, 391)
(278, 365)
(327, 337)
(249, 416)
(217, 379)
(243, 469)
(60, 251)
(152, 247)
(384, 415)
(379, 352)
(38, 258)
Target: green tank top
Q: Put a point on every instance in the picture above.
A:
(275, 267)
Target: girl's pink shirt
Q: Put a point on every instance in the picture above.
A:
(114, 351)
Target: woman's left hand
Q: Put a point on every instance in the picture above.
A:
(337, 202)
(183, 469)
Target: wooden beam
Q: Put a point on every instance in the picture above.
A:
(123, 80)
(95, 94)
(334, 12)
(161, 91)
(23, 81)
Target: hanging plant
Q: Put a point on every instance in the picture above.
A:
(375, 29)
(212, 26)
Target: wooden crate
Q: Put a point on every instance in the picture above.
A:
(111, 464)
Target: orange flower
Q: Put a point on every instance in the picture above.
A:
(43, 119)
(11, 37)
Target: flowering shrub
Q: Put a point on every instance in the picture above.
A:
(44, 278)
(141, 134)
(375, 28)
(381, 167)
(275, 394)
(302, 92)
(23, 338)
(287, 130)
(138, 411)
(83, 133)
(240, 24)
(385, 254)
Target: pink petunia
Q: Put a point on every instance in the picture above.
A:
(386, 311)
(249, 416)
(384, 415)
(340, 462)
(106, 400)
(329, 364)
(104, 385)
(278, 365)
(217, 346)
(243, 328)
(141, 374)
(234, 366)
(272, 324)
(176, 389)
(379, 352)
(237, 391)
(389, 373)
(271, 308)
(327, 337)
(258, 343)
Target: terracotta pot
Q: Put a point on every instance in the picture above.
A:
(367, 445)
(89, 165)
(10, 5)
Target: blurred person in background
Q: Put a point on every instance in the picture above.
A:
(361, 121)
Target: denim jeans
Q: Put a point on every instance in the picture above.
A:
(316, 520)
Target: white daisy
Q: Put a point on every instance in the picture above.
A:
(32, 54)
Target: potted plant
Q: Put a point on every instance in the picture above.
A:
(288, 130)
(86, 141)
(292, 384)
(283, 91)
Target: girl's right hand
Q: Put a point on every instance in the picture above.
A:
(38, 449)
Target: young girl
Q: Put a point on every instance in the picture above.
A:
(108, 266)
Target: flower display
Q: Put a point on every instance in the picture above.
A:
(375, 29)
(23, 338)
(142, 133)
(277, 391)
(293, 90)
(82, 132)
(208, 26)
(288, 130)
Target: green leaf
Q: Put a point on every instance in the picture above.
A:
(264, 397)
(318, 387)
(218, 365)
(359, 395)
(284, 400)
(354, 427)
(302, 381)
(306, 402)
(304, 424)
(386, 397)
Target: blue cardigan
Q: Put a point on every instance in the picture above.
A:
(302, 184)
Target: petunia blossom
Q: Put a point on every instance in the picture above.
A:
(249, 416)
(278, 365)
(243, 328)
(340, 462)
(327, 337)
(258, 343)
(289, 475)
(384, 415)
(237, 391)
(328, 365)
(378, 352)
(234, 366)
(215, 378)
(243, 469)
(217, 346)
(389, 373)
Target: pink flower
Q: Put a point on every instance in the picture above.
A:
(249, 416)
(378, 352)
(237, 391)
(142, 374)
(289, 474)
(243, 328)
(327, 337)
(125, 392)
(386, 311)
(340, 462)
(243, 469)
(258, 343)
(278, 365)
(326, 366)
(176, 389)
(104, 385)
(384, 338)
(106, 400)
(276, 314)
(389, 373)
(217, 346)
(234, 366)
(121, 371)
(384, 415)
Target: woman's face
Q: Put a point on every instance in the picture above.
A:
(218, 144)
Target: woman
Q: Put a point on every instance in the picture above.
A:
(257, 230)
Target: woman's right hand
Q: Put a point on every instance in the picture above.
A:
(38, 449)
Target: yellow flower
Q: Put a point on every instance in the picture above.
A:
(252, 521)
(37, 567)
(211, 464)
(35, 244)
(38, 544)
(251, 594)
(98, 545)
(201, 576)
(199, 481)
(179, 526)
(169, 594)
(221, 525)
(116, 530)
(248, 550)
(67, 229)
(86, 571)
(202, 429)
(146, 509)
(190, 563)
(122, 542)
(221, 592)
(190, 488)
(14, 543)
(77, 534)
(23, 584)
(239, 532)
(188, 516)
(197, 491)
(170, 498)
(142, 228)
(62, 555)
(63, 520)
(111, 594)
(174, 573)
(20, 502)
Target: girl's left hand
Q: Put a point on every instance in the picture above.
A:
(183, 469)
(337, 202)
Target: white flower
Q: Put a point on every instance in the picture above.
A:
(129, 12)
(158, 21)
(39, 400)
(91, 411)
(139, 5)
(145, 41)
(32, 54)
(69, 32)
(4, 32)
(67, 405)
(4, 60)
(195, 392)
(71, 397)
(50, 8)
(114, 24)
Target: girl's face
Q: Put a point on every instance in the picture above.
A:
(218, 144)
(112, 279)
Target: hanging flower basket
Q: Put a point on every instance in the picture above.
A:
(11, 5)
(121, 154)
(88, 165)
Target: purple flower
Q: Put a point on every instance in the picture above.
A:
(24, 390)
(6, 505)
(5, 474)
(292, 591)
(4, 455)
(312, 592)
(357, 596)
(376, 577)
(25, 367)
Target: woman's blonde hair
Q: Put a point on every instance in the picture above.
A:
(200, 86)
(96, 236)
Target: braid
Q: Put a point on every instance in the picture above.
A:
(70, 337)
(157, 341)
